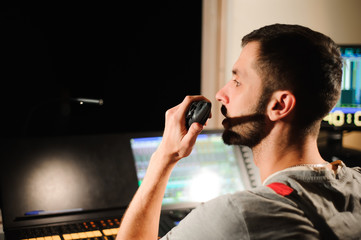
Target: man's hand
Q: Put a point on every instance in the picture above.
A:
(141, 220)
(177, 141)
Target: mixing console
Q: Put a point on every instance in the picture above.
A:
(92, 230)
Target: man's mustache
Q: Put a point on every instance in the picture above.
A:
(230, 122)
(224, 110)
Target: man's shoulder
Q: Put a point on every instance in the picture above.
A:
(248, 202)
(262, 205)
(261, 195)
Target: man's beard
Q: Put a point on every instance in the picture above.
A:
(246, 130)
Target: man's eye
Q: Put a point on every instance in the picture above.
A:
(236, 82)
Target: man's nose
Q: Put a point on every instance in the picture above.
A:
(222, 97)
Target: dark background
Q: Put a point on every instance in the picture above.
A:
(140, 58)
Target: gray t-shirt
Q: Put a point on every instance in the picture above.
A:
(261, 213)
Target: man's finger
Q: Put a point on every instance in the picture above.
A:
(190, 138)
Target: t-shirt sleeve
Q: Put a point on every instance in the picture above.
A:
(258, 214)
(216, 219)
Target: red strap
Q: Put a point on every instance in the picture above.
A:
(280, 188)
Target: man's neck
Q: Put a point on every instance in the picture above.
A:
(275, 153)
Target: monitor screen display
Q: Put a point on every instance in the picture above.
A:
(212, 169)
(346, 115)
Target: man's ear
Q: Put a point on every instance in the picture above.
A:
(281, 105)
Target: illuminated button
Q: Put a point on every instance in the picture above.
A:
(74, 235)
(115, 231)
(48, 238)
(82, 235)
(67, 236)
(56, 237)
(97, 233)
(39, 238)
(89, 234)
(107, 232)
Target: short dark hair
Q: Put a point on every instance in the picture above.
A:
(303, 61)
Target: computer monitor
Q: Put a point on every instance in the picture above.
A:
(212, 169)
(346, 115)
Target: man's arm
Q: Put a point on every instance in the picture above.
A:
(141, 220)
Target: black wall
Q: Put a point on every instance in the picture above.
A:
(141, 58)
